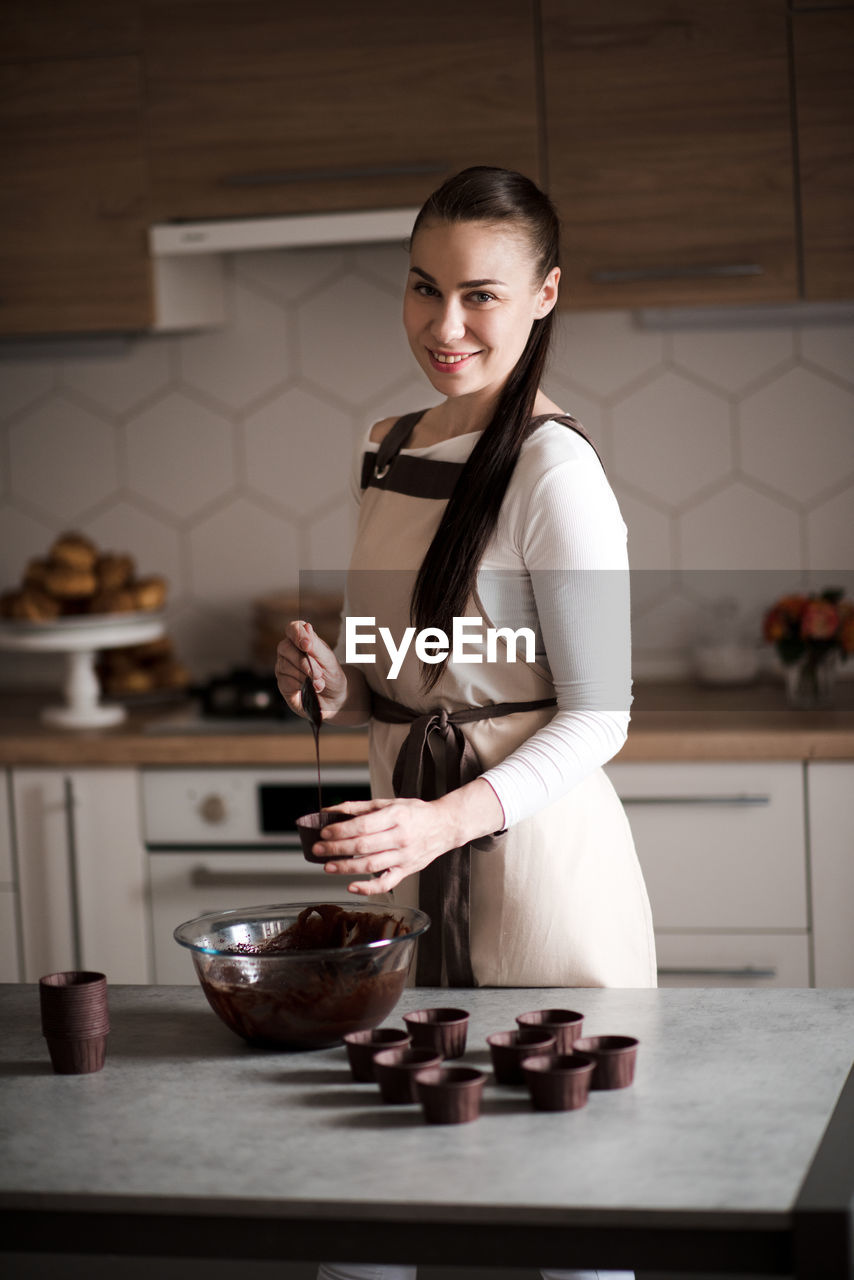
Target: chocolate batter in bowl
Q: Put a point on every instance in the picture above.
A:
(301, 976)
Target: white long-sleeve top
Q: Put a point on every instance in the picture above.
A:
(557, 563)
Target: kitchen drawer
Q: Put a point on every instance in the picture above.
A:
(7, 872)
(733, 960)
(10, 969)
(722, 845)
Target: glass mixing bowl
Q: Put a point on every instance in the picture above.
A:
(298, 999)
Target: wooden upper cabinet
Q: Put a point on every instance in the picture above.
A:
(68, 28)
(73, 208)
(823, 44)
(267, 108)
(670, 151)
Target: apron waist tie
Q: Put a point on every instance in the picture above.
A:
(434, 759)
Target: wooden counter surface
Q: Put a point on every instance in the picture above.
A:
(670, 721)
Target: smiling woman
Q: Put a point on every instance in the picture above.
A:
(491, 810)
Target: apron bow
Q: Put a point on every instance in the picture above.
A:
(435, 758)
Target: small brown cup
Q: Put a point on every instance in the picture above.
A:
(309, 827)
(564, 1024)
(615, 1058)
(443, 1030)
(395, 1071)
(71, 1056)
(509, 1050)
(74, 1005)
(559, 1081)
(450, 1095)
(362, 1046)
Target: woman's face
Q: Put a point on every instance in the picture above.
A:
(471, 298)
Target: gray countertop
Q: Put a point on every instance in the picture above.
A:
(733, 1093)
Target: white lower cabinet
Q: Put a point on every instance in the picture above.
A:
(10, 962)
(830, 797)
(82, 872)
(723, 852)
(749, 866)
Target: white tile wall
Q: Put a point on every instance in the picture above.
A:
(221, 459)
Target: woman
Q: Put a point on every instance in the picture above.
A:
(494, 505)
(491, 809)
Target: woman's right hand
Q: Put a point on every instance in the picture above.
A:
(301, 653)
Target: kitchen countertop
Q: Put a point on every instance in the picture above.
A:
(670, 720)
(731, 1150)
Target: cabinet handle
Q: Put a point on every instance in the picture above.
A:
(700, 971)
(204, 878)
(626, 275)
(738, 800)
(283, 177)
(73, 881)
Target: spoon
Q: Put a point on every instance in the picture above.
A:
(311, 706)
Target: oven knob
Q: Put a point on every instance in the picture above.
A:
(212, 809)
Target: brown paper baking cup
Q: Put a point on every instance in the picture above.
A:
(395, 1071)
(77, 1057)
(564, 1024)
(615, 1058)
(309, 827)
(363, 1046)
(443, 1030)
(74, 1004)
(509, 1050)
(450, 1095)
(559, 1081)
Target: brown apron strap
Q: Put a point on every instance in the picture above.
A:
(436, 758)
(394, 440)
(430, 477)
(566, 420)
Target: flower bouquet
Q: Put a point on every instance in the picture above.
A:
(811, 634)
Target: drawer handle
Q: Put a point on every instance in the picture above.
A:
(204, 878)
(283, 177)
(739, 800)
(626, 275)
(746, 971)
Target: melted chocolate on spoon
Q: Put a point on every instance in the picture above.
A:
(311, 707)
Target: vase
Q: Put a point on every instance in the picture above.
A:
(811, 683)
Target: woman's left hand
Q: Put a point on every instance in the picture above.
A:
(391, 839)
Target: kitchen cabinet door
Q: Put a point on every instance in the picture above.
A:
(10, 970)
(265, 108)
(669, 151)
(823, 45)
(722, 847)
(68, 28)
(82, 868)
(73, 203)
(830, 800)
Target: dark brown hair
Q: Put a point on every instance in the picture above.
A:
(448, 573)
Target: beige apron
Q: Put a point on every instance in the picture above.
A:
(559, 899)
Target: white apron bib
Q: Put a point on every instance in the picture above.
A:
(559, 899)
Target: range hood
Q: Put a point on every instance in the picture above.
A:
(188, 257)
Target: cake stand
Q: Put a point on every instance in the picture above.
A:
(80, 639)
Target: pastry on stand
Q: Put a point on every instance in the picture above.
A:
(82, 601)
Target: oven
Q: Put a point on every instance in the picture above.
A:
(226, 837)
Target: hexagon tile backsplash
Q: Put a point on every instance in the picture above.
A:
(222, 459)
